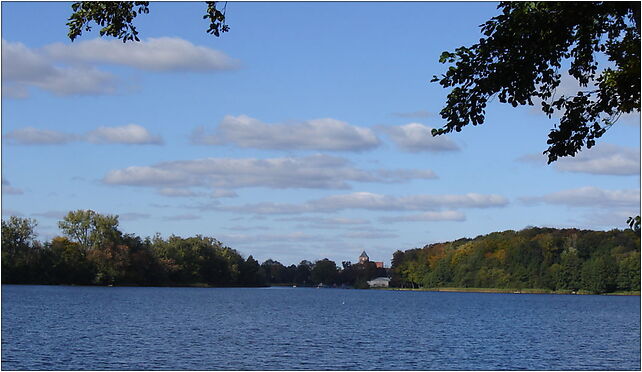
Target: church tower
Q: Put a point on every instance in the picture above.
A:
(364, 257)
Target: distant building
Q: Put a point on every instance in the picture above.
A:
(364, 257)
(381, 282)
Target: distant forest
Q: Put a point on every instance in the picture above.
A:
(93, 251)
(537, 258)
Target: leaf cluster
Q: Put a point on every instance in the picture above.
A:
(216, 18)
(114, 17)
(519, 61)
(634, 223)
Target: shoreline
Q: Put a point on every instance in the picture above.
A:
(513, 291)
(443, 289)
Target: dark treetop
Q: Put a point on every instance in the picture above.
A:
(521, 59)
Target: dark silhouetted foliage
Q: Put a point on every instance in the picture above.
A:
(519, 59)
(116, 18)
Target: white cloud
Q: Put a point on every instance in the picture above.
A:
(34, 136)
(615, 218)
(604, 159)
(371, 201)
(319, 134)
(155, 54)
(23, 64)
(427, 216)
(416, 137)
(78, 81)
(366, 200)
(315, 171)
(23, 67)
(589, 196)
(127, 134)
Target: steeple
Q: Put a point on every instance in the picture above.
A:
(364, 257)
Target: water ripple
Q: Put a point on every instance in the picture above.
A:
(81, 328)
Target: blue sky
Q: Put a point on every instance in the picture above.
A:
(300, 134)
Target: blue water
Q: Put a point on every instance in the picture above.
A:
(99, 328)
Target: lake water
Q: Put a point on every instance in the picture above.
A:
(98, 328)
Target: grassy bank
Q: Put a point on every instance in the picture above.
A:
(508, 290)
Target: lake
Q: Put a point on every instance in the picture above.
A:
(124, 328)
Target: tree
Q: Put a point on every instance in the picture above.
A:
(111, 262)
(250, 273)
(90, 229)
(116, 18)
(629, 272)
(69, 264)
(18, 234)
(275, 272)
(348, 273)
(325, 272)
(520, 58)
(20, 251)
(599, 274)
(303, 270)
(144, 266)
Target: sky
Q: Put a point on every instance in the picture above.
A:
(302, 133)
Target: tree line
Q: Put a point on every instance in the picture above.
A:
(93, 251)
(537, 258)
